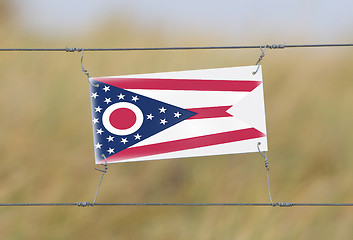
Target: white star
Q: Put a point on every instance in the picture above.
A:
(110, 139)
(107, 100)
(98, 145)
(94, 95)
(124, 140)
(98, 109)
(137, 137)
(150, 116)
(162, 110)
(177, 114)
(106, 88)
(110, 150)
(135, 99)
(163, 121)
(121, 96)
(100, 131)
(95, 120)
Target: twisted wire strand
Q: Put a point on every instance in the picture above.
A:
(263, 154)
(104, 171)
(260, 58)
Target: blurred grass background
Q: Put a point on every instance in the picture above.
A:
(47, 146)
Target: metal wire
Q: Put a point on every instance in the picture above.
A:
(259, 61)
(272, 46)
(35, 204)
(103, 172)
(88, 204)
(82, 67)
(263, 154)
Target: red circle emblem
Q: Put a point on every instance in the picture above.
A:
(122, 118)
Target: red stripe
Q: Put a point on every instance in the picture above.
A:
(181, 84)
(187, 143)
(210, 112)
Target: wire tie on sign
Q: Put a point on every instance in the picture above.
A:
(273, 46)
(263, 154)
(260, 59)
(84, 70)
(105, 164)
(68, 49)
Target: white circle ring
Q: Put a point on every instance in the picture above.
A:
(112, 108)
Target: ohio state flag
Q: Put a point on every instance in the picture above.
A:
(178, 114)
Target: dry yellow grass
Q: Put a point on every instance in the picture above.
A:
(47, 148)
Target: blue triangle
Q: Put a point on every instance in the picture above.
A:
(108, 143)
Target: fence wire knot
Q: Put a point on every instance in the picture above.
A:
(68, 49)
(276, 46)
(84, 204)
(263, 48)
(283, 204)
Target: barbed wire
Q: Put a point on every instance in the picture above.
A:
(270, 46)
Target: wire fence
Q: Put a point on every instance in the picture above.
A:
(89, 204)
(262, 47)
(270, 46)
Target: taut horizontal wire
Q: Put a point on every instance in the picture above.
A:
(87, 204)
(272, 46)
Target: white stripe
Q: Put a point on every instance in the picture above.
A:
(232, 73)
